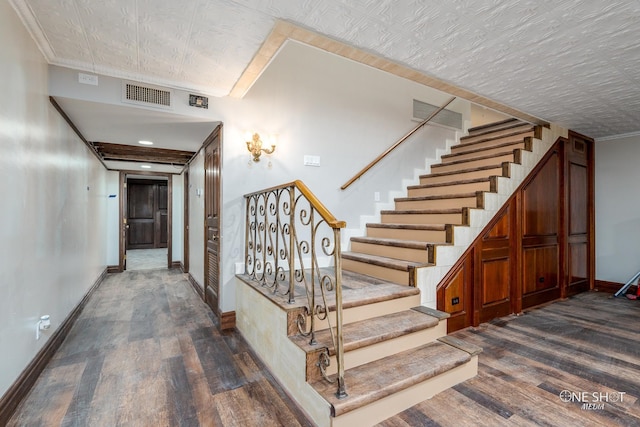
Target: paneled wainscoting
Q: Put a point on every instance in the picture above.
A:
(147, 351)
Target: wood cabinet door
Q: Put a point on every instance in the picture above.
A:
(541, 251)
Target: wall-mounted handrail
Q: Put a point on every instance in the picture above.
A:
(394, 146)
(288, 230)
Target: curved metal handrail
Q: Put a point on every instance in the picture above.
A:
(394, 146)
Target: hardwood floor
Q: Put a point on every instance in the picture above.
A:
(146, 352)
(587, 344)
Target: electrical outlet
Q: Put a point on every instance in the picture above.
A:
(455, 301)
(376, 196)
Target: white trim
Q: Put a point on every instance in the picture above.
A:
(619, 136)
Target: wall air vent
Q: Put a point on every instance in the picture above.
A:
(147, 96)
(421, 111)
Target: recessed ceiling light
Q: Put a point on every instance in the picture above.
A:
(145, 166)
(145, 142)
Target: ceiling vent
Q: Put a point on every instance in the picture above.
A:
(147, 96)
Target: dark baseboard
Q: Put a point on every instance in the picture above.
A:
(196, 287)
(176, 264)
(113, 269)
(227, 320)
(21, 386)
(609, 287)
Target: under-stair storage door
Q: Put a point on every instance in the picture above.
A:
(578, 202)
(495, 291)
(541, 250)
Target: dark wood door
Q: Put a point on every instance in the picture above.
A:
(578, 221)
(541, 249)
(212, 221)
(147, 215)
(496, 292)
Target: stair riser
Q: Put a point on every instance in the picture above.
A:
(389, 347)
(433, 236)
(415, 255)
(382, 409)
(485, 173)
(384, 273)
(425, 219)
(492, 161)
(485, 152)
(462, 202)
(503, 132)
(464, 147)
(449, 189)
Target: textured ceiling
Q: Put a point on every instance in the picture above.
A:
(570, 62)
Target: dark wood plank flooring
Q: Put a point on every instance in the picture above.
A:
(587, 344)
(147, 352)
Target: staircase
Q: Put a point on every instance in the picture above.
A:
(408, 236)
(396, 351)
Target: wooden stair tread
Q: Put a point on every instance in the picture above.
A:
(393, 263)
(410, 244)
(490, 136)
(461, 171)
(381, 378)
(494, 125)
(454, 162)
(495, 129)
(437, 197)
(432, 227)
(357, 290)
(360, 289)
(449, 183)
(481, 149)
(422, 211)
(371, 331)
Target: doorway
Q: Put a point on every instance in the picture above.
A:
(145, 220)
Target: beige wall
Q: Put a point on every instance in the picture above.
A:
(54, 205)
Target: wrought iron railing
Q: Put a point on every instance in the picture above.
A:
(292, 247)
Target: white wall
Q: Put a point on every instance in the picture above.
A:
(318, 104)
(177, 213)
(54, 205)
(617, 199)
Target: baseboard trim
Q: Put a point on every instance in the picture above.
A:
(227, 320)
(113, 269)
(176, 264)
(606, 286)
(23, 384)
(196, 286)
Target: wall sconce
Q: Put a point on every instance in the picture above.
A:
(255, 147)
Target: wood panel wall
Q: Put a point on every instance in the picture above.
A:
(538, 248)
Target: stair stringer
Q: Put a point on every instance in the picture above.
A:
(388, 202)
(427, 278)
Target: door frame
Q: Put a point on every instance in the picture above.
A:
(123, 206)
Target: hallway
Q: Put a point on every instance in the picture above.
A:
(146, 352)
